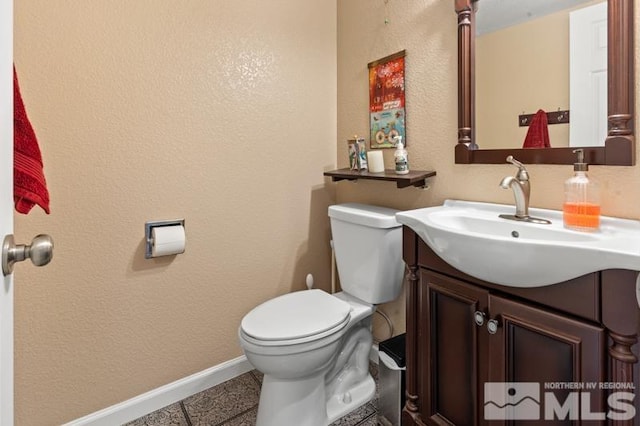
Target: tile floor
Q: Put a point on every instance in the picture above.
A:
(235, 403)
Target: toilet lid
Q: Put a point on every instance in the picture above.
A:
(295, 315)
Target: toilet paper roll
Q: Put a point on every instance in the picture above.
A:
(376, 162)
(167, 240)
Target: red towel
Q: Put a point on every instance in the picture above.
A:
(538, 133)
(29, 185)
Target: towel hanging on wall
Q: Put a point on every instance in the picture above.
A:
(538, 133)
(29, 184)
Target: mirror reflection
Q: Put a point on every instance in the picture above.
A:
(541, 73)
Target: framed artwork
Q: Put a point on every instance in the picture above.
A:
(386, 101)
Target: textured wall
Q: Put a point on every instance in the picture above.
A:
(427, 30)
(223, 113)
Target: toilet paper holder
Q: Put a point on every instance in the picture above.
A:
(148, 227)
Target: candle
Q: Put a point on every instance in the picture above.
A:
(376, 162)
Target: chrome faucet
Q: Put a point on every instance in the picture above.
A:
(521, 191)
(520, 186)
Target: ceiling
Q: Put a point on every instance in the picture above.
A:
(493, 15)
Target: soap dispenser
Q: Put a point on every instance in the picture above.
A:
(581, 210)
(401, 157)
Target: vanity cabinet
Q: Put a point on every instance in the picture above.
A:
(463, 333)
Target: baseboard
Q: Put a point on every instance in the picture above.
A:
(155, 399)
(168, 394)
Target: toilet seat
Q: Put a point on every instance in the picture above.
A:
(295, 318)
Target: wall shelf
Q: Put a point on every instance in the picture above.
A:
(415, 178)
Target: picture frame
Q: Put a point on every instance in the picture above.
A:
(387, 114)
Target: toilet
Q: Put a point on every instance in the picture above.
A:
(313, 347)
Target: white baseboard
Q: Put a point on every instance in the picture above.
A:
(155, 399)
(168, 394)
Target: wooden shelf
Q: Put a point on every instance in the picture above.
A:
(415, 178)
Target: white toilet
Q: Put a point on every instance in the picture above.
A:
(313, 347)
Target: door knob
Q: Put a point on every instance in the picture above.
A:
(479, 317)
(40, 251)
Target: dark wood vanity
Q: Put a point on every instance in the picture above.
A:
(463, 332)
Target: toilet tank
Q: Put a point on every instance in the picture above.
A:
(368, 246)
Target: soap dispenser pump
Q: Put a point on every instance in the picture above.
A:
(581, 210)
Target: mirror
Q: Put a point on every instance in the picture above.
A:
(616, 140)
(541, 54)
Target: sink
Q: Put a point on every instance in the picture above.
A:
(471, 237)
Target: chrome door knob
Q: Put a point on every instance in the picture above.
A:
(40, 251)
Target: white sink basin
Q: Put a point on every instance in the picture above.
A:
(472, 238)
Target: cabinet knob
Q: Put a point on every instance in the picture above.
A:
(479, 317)
(492, 326)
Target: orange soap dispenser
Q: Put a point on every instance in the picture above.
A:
(581, 210)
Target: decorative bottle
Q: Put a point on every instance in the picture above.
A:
(401, 157)
(581, 209)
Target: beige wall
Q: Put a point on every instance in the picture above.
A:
(427, 30)
(223, 113)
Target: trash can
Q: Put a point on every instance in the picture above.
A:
(391, 380)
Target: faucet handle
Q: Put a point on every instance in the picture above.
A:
(522, 171)
(515, 162)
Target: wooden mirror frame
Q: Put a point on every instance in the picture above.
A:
(619, 148)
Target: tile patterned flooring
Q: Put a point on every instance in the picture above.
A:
(235, 403)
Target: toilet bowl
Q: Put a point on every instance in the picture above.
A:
(300, 387)
(313, 347)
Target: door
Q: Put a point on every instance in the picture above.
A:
(6, 208)
(530, 352)
(588, 75)
(452, 353)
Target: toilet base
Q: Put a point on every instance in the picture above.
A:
(292, 402)
(359, 395)
(295, 403)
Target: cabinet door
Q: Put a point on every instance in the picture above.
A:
(451, 350)
(544, 349)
